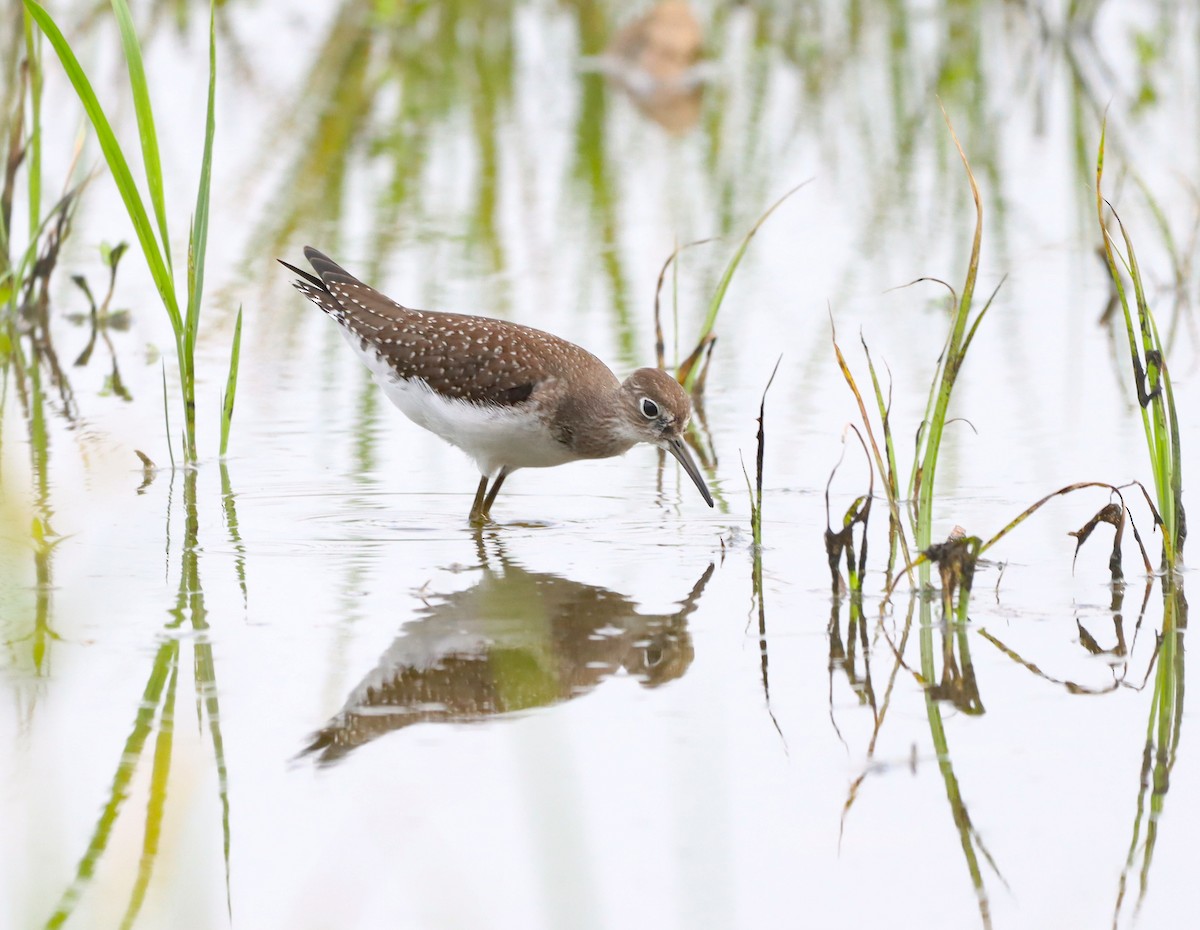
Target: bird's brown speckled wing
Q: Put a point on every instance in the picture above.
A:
(465, 357)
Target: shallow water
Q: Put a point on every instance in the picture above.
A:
(580, 717)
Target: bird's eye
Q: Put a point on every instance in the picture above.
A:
(649, 408)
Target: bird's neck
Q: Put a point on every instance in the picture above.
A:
(591, 423)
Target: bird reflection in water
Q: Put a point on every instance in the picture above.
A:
(656, 60)
(514, 641)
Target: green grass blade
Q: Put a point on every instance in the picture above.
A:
(1152, 381)
(896, 535)
(231, 385)
(145, 119)
(1152, 355)
(167, 417)
(198, 241)
(1168, 463)
(714, 306)
(982, 313)
(116, 162)
(33, 54)
(197, 251)
(950, 364)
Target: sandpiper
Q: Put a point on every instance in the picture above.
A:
(509, 396)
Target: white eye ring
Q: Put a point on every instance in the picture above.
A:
(649, 408)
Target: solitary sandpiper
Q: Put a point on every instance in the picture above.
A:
(509, 396)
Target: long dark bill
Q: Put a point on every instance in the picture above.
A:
(678, 449)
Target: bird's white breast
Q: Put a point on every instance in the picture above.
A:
(493, 436)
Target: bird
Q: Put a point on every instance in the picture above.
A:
(509, 396)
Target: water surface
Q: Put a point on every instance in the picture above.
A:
(295, 689)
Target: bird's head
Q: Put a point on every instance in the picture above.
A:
(656, 409)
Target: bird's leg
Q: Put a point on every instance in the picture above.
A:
(491, 495)
(478, 514)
